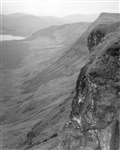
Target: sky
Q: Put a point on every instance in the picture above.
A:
(59, 8)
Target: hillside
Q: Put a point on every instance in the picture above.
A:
(27, 61)
(38, 113)
(54, 40)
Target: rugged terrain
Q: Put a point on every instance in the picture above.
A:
(95, 116)
(52, 106)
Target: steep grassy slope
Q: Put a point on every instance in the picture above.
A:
(34, 81)
(34, 118)
(12, 52)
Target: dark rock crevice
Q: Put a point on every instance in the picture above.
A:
(98, 34)
(115, 137)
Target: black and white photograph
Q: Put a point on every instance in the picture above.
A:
(59, 74)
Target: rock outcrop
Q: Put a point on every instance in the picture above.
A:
(95, 115)
(101, 30)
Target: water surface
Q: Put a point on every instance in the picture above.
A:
(6, 37)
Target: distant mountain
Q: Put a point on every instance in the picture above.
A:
(80, 18)
(24, 24)
(37, 101)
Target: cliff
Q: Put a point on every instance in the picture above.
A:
(94, 122)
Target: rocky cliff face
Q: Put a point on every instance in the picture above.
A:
(98, 34)
(95, 115)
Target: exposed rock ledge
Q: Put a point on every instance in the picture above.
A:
(95, 116)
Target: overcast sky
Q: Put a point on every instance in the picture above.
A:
(60, 7)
